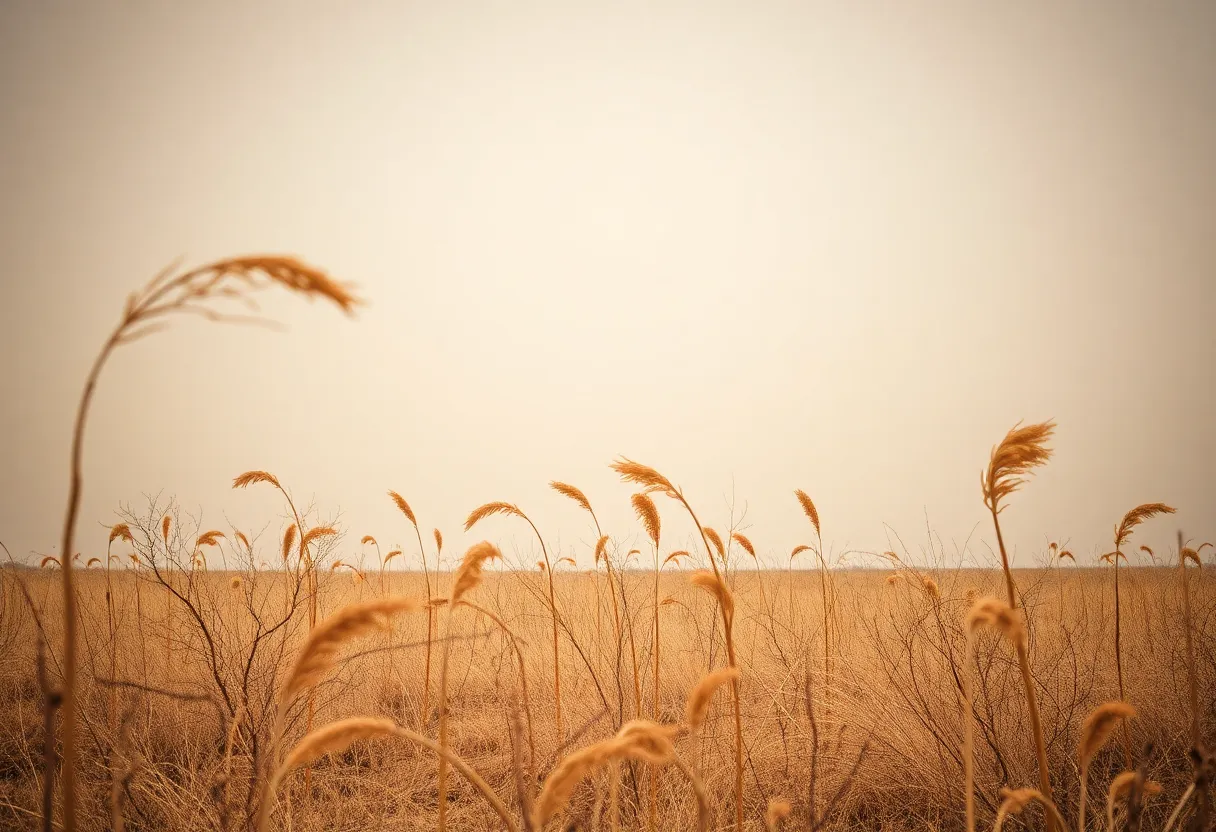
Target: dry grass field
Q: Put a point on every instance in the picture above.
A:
(193, 678)
(178, 744)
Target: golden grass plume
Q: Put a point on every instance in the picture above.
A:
(289, 538)
(601, 547)
(702, 693)
(567, 490)
(468, 576)
(645, 509)
(745, 543)
(643, 475)
(1135, 517)
(320, 651)
(808, 508)
(638, 739)
(250, 477)
(1098, 725)
(1022, 449)
(488, 510)
(403, 507)
(715, 586)
(317, 533)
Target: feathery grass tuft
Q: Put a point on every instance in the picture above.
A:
(317, 533)
(319, 653)
(645, 509)
(488, 510)
(1022, 449)
(697, 706)
(745, 543)
(468, 576)
(716, 587)
(643, 475)
(289, 538)
(250, 477)
(1135, 517)
(808, 508)
(573, 493)
(638, 739)
(1095, 731)
(1097, 728)
(404, 507)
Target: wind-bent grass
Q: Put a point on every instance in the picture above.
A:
(490, 509)
(192, 292)
(1022, 450)
(1123, 533)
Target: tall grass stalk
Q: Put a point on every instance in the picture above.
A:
(508, 509)
(1022, 449)
(648, 514)
(467, 578)
(1123, 533)
(405, 509)
(146, 311)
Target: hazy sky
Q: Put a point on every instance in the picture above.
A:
(759, 246)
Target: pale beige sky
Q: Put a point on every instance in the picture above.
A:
(759, 246)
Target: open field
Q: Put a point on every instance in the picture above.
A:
(193, 678)
(884, 752)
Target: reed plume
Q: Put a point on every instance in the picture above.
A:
(715, 586)
(316, 533)
(1015, 800)
(567, 490)
(697, 706)
(1130, 785)
(1095, 731)
(289, 539)
(319, 653)
(1023, 449)
(638, 739)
